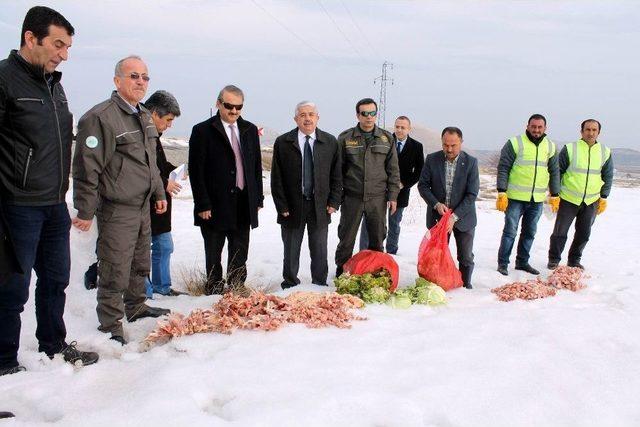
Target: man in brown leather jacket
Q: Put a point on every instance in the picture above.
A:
(115, 175)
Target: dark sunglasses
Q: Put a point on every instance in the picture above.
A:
(136, 76)
(368, 113)
(230, 107)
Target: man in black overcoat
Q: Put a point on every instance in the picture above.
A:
(225, 171)
(306, 185)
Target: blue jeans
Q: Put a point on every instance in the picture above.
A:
(41, 239)
(393, 232)
(161, 250)
(530, 213)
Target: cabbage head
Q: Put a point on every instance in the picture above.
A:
(399, 301)
(377, 294)
(436, 295)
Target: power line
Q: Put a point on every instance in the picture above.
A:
(289, 30)
(335, 24)
(355, 24)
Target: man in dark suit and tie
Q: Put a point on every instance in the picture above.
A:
(306, 185)
(410, 161)
(225, 170)
(450, 181)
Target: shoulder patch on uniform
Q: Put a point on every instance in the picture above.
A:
(384, 138)
(91, 141)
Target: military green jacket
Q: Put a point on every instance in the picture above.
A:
(115, 158)
(369, 170)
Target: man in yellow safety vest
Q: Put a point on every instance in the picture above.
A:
(528, 166)
(586, 169)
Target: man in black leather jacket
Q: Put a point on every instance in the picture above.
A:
(35, 155)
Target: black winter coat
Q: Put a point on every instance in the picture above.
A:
(36, 131)
(464, 191)
(161, 223)
(212, 172)
(410, 161)
(286, 177)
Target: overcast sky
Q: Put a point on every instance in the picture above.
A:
(484, 66)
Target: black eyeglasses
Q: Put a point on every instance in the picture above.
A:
(136, 76)
(368, 113)
(231, 106)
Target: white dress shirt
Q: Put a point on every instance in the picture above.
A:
(402, 143)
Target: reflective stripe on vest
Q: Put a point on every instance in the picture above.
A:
(529, 176)
(582, 180)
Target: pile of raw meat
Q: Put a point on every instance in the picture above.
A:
(562, 278)
(263, 312)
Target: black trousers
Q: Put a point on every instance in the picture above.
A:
(585, 216)
(292, 241)
(237, 249)
(464, 245)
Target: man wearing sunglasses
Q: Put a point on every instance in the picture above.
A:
(371, 181)
(225, 171)
(115, 176)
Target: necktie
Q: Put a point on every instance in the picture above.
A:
(308, 168)
(235, 145)
(399, 146)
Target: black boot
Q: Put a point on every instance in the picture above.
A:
(527, 268)
(72, 355)
(6, 415)
(14, 370)
(91, 276)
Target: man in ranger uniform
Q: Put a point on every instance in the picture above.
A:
(115, 175)
(371, 181)
(528, 166)
(35, 155)
(586, 169)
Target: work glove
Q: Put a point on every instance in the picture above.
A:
(502, 202)
(602, 206)
(554, 203)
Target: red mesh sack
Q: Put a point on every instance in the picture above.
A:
(368, 261)
(434, 257)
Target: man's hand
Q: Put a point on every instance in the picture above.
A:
(285, 214)
(554, 203)
(205, 214)
(502, 202)
(602, 206)
(173, 187)
(81, 224)
(392, 206)
(331, 209)
(450, 224)
(161, 206)
(441, 208)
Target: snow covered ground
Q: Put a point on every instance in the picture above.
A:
(569, 360)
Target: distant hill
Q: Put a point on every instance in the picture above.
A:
(625, 159)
